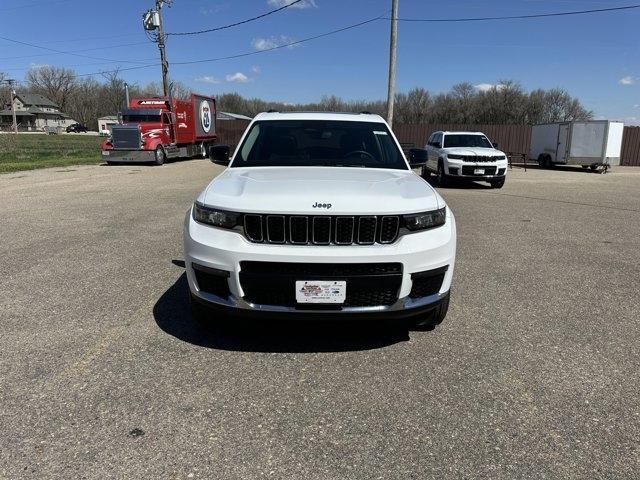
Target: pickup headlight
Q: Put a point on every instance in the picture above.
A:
(215, 217)
(455, 157)
(423, 221)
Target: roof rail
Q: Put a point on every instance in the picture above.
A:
(365, 112)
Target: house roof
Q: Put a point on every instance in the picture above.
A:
(19, 113)
(35, 99)
(109, 117)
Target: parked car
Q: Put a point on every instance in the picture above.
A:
(77, 128)
(464, 156)
(319, 214)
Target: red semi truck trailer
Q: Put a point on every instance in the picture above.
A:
(155, 129)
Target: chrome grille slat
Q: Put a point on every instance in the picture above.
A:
(321, 229)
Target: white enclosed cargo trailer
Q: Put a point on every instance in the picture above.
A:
(591, 143)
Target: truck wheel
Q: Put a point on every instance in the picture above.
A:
(441, 179)
(497, 183)
(435, 317)
(160, 155)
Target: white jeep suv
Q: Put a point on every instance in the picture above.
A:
(465, 156)
(319, 214)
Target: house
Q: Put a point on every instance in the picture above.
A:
(105, 124)
(34, 112)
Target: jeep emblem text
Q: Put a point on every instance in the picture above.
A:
(321, 205)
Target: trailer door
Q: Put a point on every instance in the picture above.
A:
(563, 143)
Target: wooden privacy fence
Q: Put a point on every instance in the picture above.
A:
(510, 138)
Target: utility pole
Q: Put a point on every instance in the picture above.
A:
(152, 20)
(391, 93)
(12, 96)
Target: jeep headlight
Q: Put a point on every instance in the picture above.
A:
(425, 220)
(455, 157)
(214, 216)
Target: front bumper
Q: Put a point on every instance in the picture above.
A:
(131, 156)
(463, 169)
(224, 250)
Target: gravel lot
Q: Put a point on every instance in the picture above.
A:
(534, 374)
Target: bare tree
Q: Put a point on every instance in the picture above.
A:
(55, 83)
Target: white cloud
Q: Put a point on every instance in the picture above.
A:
(261, 43)
(628, 80)
(485, 87)
(237, 77)
(256, 69)
(212, 10)
(302, 4)
(207, 79)
(637, 105)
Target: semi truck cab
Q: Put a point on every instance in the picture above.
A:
(155, 129)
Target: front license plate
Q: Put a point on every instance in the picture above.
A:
(321, 291)
(478, 171)
(105, 152)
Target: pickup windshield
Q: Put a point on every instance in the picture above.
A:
(462, 140)
(310, 143)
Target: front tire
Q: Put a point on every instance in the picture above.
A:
(435, 317)
(497, 183)
(441, 179)
(160, 156)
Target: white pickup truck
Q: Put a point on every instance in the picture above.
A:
(464, 156)
(319, 214)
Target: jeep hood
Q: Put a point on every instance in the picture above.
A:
(473, 151)
(295, 190)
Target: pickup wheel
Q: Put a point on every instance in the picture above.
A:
(435, 317)
(160, 155)
(497, 183)
(425, 173)
(441, 178)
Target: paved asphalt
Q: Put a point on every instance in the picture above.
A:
(534, 374)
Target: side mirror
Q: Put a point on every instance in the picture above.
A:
(417, 157)
(495, 145)
(219, 154)
(437, 144)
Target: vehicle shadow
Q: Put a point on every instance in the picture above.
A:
(172, 314)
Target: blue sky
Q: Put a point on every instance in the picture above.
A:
(595, 57)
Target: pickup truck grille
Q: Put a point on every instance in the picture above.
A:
(482, 158)
(273, 283)
(126, 137)
(321, 229)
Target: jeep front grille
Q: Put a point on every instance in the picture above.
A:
(482, 158)
(321, 229)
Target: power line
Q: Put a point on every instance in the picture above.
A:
(284, 45)
(519, 17)
(245, 54)
(65, 52)
(75, 51)
(215, 29)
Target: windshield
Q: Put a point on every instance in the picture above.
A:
(140, 118)
(462, 140)
(308, 143)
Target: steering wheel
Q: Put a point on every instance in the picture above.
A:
(361, 153)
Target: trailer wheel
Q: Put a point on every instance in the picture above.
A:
(160, 155)
(541, 161)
